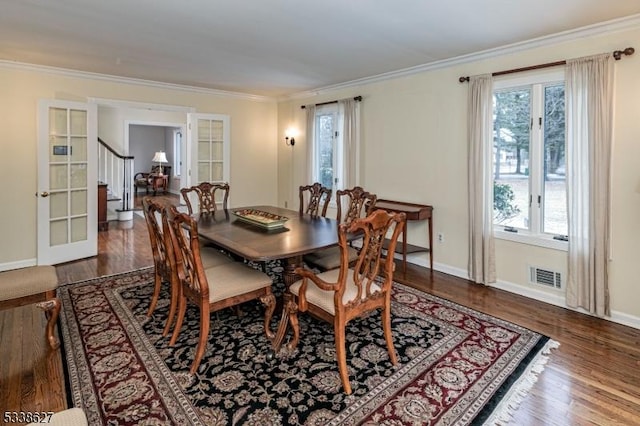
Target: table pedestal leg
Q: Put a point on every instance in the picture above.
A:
(289, 310)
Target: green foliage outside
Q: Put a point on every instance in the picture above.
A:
(503, 207)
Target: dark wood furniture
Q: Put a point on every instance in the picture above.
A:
(206, 194)
(354, 291)
(153, 179)
(300, 235)
(103, 224)
(352, 204)
(314, 199)
(211, 289)
(413, 212)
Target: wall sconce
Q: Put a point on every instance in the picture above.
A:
(289, 138)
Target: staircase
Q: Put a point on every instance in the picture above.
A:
(116, 170)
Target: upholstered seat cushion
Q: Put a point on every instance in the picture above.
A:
(329, 258)
(27, 281)
(233, 279)
(324, 298)
(212, 257)
(70, 417)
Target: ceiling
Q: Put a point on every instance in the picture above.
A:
(276, 48)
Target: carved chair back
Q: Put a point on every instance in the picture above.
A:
(206, 194)
(190, 272)
(318, 198)
(354, 203)
(370, 264)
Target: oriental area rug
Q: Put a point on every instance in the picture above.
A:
(456, 366)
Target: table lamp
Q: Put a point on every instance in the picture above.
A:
(160, 157)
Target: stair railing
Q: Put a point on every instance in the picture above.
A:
(116, 170)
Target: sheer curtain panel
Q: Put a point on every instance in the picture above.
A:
(589, 97)
(482, 268)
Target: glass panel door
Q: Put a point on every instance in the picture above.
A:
(67, 197)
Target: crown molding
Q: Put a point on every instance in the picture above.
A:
(615, 25)
(127, 80)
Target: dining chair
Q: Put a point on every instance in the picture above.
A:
(215, 288)
(206, 195)
(352, 204)
(164, 257)
(341, 295)
(314, 199)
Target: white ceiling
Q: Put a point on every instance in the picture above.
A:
(276, 47)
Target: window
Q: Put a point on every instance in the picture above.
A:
(177, 152)
(328, 164)
(530, 195)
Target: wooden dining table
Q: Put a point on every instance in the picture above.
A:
(300, 234)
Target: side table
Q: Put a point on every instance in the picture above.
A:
(159, 182)
(413, 212)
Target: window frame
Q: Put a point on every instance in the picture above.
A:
(534, 235)
(177, 152)
(338, 167)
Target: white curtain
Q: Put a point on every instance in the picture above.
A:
(482, 267)
(589, 97)
(350, 113)
(310, 134)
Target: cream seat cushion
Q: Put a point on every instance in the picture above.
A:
(330, 258)
(212, 257)
(27, 281)
(324, 298)
(234, 279)
(70, 417)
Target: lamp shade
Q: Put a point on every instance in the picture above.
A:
(160, 157)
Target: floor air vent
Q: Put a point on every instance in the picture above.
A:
(545, 277)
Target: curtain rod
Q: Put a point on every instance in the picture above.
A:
(357, 99)
(617, 54)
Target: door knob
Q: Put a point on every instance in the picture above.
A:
(44, 194)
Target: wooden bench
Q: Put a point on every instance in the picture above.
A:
(34, 284)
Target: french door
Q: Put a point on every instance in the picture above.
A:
(209, 156)
(67, 226)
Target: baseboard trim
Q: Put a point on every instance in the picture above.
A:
(18, 264)
(535, 294)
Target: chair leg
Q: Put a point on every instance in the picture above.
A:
(156, 293)
(51, 309)
(341, 356)
(386, 326)
(181, 311)
(204, 336)
(172, 308)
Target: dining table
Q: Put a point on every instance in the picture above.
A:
(285, 235)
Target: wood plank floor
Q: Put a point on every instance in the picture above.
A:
(592, 379)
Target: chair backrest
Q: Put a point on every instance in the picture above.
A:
(186, 247)
(357, 203)
(318, 198)
(206, 193)
(370, 267)
(153, 216)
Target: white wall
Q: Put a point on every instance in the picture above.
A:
(414, 138)
(253, 141)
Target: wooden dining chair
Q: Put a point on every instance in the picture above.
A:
(212, 289)
(206, 194)
(164, 257)
(340, 295)
(352, 204)
(314, 199)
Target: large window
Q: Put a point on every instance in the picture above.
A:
(177, 152)
(328, 164)
(530, 195)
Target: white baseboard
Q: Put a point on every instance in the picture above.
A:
(531, 293)
(18, 264)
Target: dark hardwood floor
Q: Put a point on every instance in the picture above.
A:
(593, 378)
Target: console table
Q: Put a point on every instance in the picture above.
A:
(413, 212)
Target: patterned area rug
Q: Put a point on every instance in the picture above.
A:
(456, 366)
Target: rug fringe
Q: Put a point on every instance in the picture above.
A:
(505, 410)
